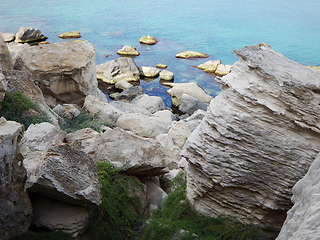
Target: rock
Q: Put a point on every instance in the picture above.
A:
(130, 93)
(65, 70)
(6, 66)
(166, 75)
(56, 170)
(223, 70)
(303, 218)
(163, 66)
(210, 66)
(28, 34)
(191, 54)
(101, 110)
(15, 207)
(148, 40)
(129, 108)
(165, 116)
(155, 195)
(315, 68)
(117, 70)
(195, 119)
(188, 104)
(54, 215)
(138, 191)
(8, 37)
(123, 84)
(172, 152)
(72, 34)
(128, 51)
(3, 86)
(143, 157)
(151, 103)
(68, 111)
(142, 125)
(179, 132)
(192, 89)
(168, 177)
(149, 72)
(258, 138)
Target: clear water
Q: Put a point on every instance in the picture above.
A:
(213, 27)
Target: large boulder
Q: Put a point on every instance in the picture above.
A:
(303, 219)
(259, 137)
(118, 69)
(133, 154)
(151, 103)
(28, 34)
(15, 207)
(65, 70)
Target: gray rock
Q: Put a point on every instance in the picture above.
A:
(151, 103)
(172, 152)
(149, 72)
(130, 93)
(6, 66)
(129, 108)
(179, 132)
(123, 68)
(28, 34)
(166, 75)
(68, 111)
(259, 137)
(123, 84)
(8, 37)
(15, 207)
(303, 218)
(155, 195)
(189, 104)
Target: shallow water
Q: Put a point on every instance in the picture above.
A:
(212, 27)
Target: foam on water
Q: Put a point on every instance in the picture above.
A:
(209, 26)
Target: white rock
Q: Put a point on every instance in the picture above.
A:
(150, 72)
(151, 103)
(166, 75)
(179, 133)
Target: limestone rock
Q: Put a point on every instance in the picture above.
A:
(28, 34)
(65, 70)
(192, 89)
(123, 84)
(179, 132)
(303, 218)
(117, 70)
(149, 72)
(189, 104)
(223, 70)
(56, 170)
(258, 138)
(72, 34)
(162, 66)
(151, 103)
(15, 207)
(130, 93)
(54, 215)
(191, 54)
(172, 152)
(148, 40)
(68, 111)
(6, 66)
(128, 51)
(8, 37)
(210, 66)
(195, 119)
(3, 86)
(155, 195)
(166, 75)
(136, 155)
(130, 108)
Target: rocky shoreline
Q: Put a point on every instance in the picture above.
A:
(242, 151)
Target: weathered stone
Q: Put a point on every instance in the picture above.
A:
(8, 37)
(6, 66)
(129, 108)
(192, 89)
(210, 66)
(195, 119)
(191, 54)
(15, 207)
(28, 34)
(55, 169)
(148, 40)
(315, 68)
(123, 84)
(72, 34)
(163, 66)
(168, 177)
(65, 70)
(136, 155)
(189, 104)
(68, 111)
(259, 137)
(155, 195)
(149, 72)
(151, 103)
(165, 116)
(54, 215)
(130, 93)
(223, 70)
(128, 51)
(166, 75)
(303, 218)
(179, 132)
(172, 152)
(117, 70)
(3, 86)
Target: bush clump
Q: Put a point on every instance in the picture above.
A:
(114, 218)
(15, 107)
(177, 218)
(45, 236)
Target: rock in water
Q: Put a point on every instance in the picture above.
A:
(259, 137)
(15, 207)
(303, 218)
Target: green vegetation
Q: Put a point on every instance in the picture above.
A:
(178, 215)
(44, 236)
(16, 107)
(114, 218)
(82, 121)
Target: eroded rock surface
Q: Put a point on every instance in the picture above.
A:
(259, 137)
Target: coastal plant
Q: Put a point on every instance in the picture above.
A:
(178, 216)
(15, 107)
(45, 236)
(114, 218)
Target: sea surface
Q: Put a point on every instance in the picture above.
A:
(209, 26)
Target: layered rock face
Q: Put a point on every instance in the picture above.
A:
(15, 207)
(259, 137)
(303, 218)
(65, 71)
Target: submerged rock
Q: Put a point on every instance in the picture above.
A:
(28, 34)
(259, 137)
(72, 34)
(191, 54)
(148, 40)
(166, 75)
(163, 66)
(128, 51)
(210, 66)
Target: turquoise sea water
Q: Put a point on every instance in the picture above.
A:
(213, 27)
